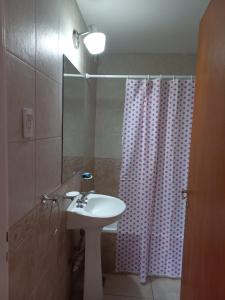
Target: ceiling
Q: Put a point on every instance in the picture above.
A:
(146, 26)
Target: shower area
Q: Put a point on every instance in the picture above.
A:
(142, 139)
(144, 106)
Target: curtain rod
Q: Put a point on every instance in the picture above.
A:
(86, 75)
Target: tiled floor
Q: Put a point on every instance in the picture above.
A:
(128, 287)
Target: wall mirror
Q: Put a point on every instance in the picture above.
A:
(73, 121)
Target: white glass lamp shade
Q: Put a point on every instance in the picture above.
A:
(95, 42)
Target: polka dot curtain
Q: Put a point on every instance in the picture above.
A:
(156, 143)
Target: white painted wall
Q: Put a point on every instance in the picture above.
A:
(146, 26)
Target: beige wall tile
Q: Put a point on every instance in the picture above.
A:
(20, 29)
(47, 39)
(71, 164)
(34, 243)
(22, 270)
(21, 179)
(37, 251)
(48, 165)
(22, 230)
(47, 107)
(20, 94)
(107, 175)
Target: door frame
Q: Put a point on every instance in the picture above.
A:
(3, 167)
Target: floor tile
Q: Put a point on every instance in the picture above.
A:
(166, 289)
(127, 286)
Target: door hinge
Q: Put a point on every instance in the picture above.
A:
(7, 237)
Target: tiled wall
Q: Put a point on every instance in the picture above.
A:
(37, 33)
(70, 165)
(107, 171)
(39, 252)
(40, 249)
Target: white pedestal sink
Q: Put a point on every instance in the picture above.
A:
(101, 210)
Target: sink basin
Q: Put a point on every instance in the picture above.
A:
(101, 210)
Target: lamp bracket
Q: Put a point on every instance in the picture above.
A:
(76, 37)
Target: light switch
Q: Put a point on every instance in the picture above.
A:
(28, 123)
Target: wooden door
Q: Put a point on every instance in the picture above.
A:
(204, 247)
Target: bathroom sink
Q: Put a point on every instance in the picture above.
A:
(101, 210)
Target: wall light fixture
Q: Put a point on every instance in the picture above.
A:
(93, 40)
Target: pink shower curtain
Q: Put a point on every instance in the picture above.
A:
(156, 142)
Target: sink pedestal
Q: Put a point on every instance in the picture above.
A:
(101, 210)
(93, 289)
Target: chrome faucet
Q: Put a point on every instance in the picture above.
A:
(84, 195)
(83, 199)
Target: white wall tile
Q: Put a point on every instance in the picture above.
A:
(47, 107)
(71, 19)
(34, 80)
(20, 29)
(47, 38)
(21, 179)
(20, 94)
